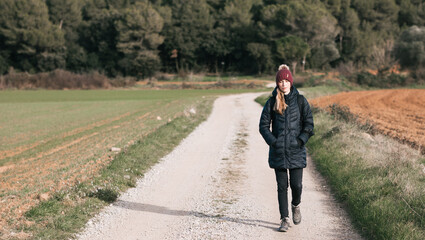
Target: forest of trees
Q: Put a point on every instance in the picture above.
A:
(140, 37)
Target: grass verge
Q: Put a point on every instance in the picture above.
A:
(379, 180)
(67, 211)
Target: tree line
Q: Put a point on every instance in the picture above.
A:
(140, 37)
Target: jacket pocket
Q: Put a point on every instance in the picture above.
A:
(293, 143)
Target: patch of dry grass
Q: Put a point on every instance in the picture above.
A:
(381, 180)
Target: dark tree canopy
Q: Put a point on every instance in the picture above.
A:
(142, 37)
(410, 47)
(29, 40)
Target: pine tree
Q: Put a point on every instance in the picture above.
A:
(67, 15)
(33, 43)
(190, 25)
(139, 36)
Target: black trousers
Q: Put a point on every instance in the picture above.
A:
(295, 179)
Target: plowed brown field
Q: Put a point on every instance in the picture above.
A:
(399, 113)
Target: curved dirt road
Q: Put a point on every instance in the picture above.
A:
(217, 185)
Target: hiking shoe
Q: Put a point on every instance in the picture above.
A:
(284, 225)
(296, 214)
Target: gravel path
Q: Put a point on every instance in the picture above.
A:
(217, 185)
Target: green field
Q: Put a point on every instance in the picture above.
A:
(55, 140)
(54, 117)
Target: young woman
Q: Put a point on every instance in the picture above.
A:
(291, 119)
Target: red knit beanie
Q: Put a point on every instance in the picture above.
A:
(284, 74)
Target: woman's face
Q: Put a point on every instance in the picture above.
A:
(284, 86)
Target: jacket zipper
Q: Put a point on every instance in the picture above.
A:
(286, 136)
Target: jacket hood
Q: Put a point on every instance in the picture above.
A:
(294, 92)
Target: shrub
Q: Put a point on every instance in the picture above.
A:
(419, 75)
(346, 69)
(61, 79)
(343, 113)
(410, 47)
(395, 80)
(380, 81)
(365, 78)
(123, 81)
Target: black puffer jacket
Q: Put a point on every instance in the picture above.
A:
(285, 151)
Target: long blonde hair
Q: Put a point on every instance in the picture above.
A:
(280, 104)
